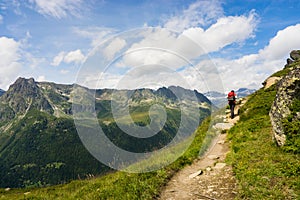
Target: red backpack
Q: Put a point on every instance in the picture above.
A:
(231, 96)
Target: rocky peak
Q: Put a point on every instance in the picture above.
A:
(23, 87)
(24, 94)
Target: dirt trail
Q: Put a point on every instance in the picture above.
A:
(208, 177)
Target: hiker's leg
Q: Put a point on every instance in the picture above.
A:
(232, 110)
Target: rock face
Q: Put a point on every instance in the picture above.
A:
(288, 89)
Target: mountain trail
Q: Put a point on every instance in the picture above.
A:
(209, 177)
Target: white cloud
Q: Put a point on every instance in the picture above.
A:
(280, 45)
(200, 13)
(74, 57)
(176, 51)
(161, 46)
(71, 57)
(226, 31)
(115, 46)
(1, 19)
(58, 8)
(10, 64)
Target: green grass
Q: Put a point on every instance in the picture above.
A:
(263, 170)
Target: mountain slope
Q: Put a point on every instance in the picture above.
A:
(39, 144)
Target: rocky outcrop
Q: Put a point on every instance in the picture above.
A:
(288, 89)
(295, 54)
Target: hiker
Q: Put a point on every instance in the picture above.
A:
(231, 101)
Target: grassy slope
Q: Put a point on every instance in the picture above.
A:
(263, 170)
(118, 185)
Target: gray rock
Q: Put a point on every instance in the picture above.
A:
(196, 174)
(289, 61)
(295, 54)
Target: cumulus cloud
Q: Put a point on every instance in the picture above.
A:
(200, 13)
(163, 46)
(280, 45)
(10, 64)
(58, 8)
(225, 31)
(70, 57)
(74, 57)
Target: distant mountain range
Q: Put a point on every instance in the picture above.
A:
(220, 99)
(243, 92)
(39, 144)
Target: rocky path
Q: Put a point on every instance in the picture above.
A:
(208, 177)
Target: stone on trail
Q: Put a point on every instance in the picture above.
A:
(196, 174)
(220, 165)
(223, 126)
(221, 142)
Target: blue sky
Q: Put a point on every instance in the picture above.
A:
(225, 44)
